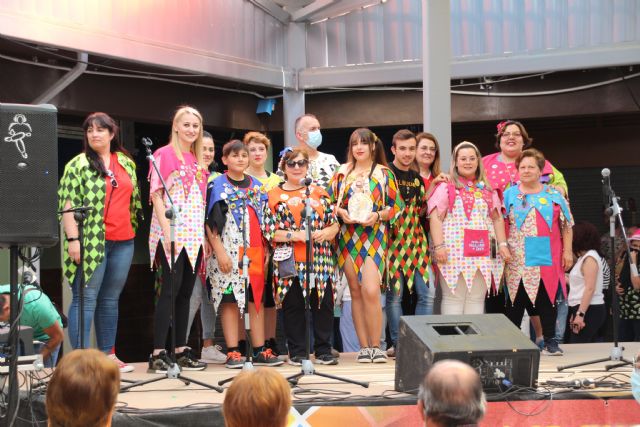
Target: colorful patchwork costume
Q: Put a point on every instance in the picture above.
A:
(287, 208)
(536, 222)
(408, 245)
(226, 215)
(355, 240)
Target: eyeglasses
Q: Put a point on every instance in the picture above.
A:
(510, 134)
(299, 163)
(112, 177)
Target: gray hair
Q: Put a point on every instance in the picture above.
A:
(450, 399)
(297, 126)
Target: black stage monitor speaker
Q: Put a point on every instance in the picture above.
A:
(28, 175)
(490, 343)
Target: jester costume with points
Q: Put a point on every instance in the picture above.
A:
(467, 230)
(408, 244)
(536, 222)
(225, 215)
(355, 240)
(287, 209)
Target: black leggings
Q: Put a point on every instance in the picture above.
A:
(183, 280)
(543, 307)
(593, 320)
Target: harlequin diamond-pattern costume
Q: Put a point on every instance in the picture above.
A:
(286, 210)
(256, 223)
(536, 222)
(83, 186)
(355, 240)
(408, 246)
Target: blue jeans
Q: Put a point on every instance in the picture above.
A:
(101, 297)
(49, 362)
(561, 318)
(426, 296)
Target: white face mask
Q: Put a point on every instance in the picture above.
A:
(314, 138)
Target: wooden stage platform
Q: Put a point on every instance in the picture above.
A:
(379, 376)
(325, 402)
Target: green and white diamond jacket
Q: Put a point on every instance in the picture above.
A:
(83, 186)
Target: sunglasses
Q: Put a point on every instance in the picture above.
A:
(112, 177)
(299, 163)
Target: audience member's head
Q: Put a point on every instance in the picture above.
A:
(260, 398)
(83, 390)
(451, 395)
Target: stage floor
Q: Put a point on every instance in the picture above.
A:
(172, 392)
(322, 402)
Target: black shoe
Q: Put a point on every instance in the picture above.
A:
(159, 364)
(296, 360)
(266, 358)
(242, 348)
(187, 362)
(273, 345)
(326, 359)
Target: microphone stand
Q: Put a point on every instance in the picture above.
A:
(244, 266)
(614, 211)
(79, 215)
(307, 367)
(174, 370)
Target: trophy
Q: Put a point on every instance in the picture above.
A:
(360, 204)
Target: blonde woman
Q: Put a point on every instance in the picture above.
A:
(185, 174)
(467, 229)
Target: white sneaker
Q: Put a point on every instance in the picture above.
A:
(364, 355)
(124, 367)
(213, 354)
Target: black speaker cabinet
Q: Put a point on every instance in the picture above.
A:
(490, 343)
(28, 175)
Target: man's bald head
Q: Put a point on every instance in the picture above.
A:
(451, 394)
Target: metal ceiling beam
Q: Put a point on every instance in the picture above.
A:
(273, 9)
(141, 51)
(307, 11)
(411, 71)
(323, 9)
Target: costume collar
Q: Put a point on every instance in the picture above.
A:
(543, 202)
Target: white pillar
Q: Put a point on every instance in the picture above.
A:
(436, 74)
(293, 99)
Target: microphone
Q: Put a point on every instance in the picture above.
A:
(147, 142)
(82, 209)
(306, 181)
(606, 185)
